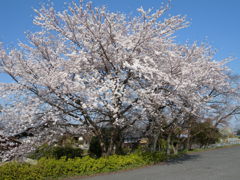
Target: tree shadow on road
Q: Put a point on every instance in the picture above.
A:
(183, 158)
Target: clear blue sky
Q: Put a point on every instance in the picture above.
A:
(214, 21)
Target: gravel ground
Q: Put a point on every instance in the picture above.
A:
(220, 164)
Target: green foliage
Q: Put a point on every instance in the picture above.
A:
(163, 144)
(21, 171)
(205, 134)
(152, 157)
(95, 149)
(63, 167)
(238, 132)
(68, 140)
(56, 152)
(68, 152)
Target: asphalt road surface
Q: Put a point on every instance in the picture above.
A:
(220, 164)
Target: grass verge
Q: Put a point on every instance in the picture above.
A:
(48, 168)
(62, 168)
(210, 149)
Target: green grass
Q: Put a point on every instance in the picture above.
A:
(53, 168)
(50, 168)
(209, 149)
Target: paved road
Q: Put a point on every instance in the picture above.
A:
(221, 164)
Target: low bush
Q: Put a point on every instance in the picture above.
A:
(63, 167)
(56, 152)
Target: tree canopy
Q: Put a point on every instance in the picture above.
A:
(103, 70)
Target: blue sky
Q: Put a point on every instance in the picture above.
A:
(214, 21)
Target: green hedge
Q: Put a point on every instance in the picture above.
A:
(52, 168)
(56, 152)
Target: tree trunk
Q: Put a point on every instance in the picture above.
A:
(103, 145)
(110, 149)
(118, 147)
(169, 144)
(175, 149)
(188, 145)
(115, 142)
(155, 141)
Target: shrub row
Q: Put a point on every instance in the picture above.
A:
(56, 152)
(53, 168)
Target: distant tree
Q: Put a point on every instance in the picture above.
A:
(238, 132)
(204, 133)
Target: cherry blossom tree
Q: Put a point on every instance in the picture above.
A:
(97, 69)
(191, 81)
